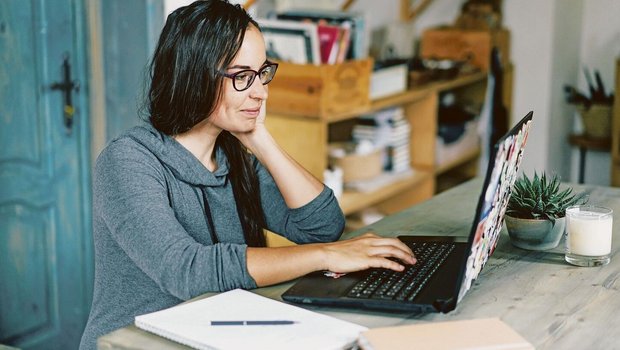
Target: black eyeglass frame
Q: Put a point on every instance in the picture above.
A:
(254, 75)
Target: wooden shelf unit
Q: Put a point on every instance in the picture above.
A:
(352, 202)
(306, 139)
(467, 157)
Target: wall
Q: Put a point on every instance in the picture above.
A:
(531, 54)
(600, 47)
(550, 47)
(564, 70)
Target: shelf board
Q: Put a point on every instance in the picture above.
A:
(466, 157)
(419, 92)
(409, 96)
(352, 113)
(399, 99)
(444, 85)
(351, 202)
(586, 142)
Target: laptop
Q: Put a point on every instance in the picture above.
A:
(447, 265)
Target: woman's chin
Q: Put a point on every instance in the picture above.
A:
(243, 129)
(250, 125)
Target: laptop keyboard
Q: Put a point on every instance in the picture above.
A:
(387, 284)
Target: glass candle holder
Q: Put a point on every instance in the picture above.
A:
(588, 235)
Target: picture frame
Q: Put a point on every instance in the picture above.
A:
(291, 41)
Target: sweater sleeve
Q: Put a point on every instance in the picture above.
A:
(320, 220)
(130, 196)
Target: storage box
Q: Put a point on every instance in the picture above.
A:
(388, 81)
(355, 167)
(458, 44)
(320, 91)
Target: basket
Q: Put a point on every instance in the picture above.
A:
(357, 167)
(596, 120)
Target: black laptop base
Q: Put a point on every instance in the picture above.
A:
(437, 295)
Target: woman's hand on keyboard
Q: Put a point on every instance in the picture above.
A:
(367, 251)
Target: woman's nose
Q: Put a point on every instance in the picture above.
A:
(258, 90)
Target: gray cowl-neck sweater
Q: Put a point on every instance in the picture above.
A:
(153, 246)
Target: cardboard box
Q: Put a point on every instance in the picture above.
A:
(458, 44)
(320, 91)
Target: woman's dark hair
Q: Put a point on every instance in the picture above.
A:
(197, 41)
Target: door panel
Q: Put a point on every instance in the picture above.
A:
(28, 242)
(45, 237)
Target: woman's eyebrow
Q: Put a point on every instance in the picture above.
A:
(239, 66)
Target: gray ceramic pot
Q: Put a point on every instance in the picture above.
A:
(533, 234)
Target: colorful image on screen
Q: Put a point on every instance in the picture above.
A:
(508, 155)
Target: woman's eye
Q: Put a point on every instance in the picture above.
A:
(242, 77)
(265, 72)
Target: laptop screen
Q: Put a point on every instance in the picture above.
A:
(501, 174)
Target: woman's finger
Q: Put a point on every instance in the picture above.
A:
(263, 113)
(394, 242)
(385, 263)
(393, 252)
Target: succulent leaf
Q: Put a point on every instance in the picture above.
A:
(541, 197)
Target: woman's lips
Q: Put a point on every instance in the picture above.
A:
(252, 111)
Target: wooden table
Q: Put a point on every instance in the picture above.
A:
(552, 304)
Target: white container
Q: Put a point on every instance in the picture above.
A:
(388, 81)
(588, 235)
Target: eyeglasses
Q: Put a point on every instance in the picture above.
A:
(243, 79)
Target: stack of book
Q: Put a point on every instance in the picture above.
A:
(314, 36)
(390, 130)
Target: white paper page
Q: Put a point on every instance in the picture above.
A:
(192, 322)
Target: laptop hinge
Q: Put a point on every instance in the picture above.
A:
(444, 305)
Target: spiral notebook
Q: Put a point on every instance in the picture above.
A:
(190, 324)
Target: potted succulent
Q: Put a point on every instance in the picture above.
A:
(535, 213)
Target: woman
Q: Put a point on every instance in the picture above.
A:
(180, 205)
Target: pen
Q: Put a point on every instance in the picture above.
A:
(251, 323)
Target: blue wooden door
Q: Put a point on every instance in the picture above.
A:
(45, 235)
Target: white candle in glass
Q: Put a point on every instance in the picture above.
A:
(589, 233)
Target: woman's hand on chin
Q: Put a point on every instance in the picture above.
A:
(252, 137)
